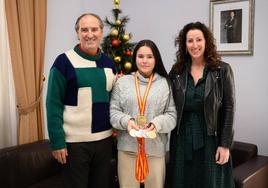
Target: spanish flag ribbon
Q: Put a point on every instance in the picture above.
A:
(142, 169)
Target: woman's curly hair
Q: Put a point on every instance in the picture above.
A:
(182, 56)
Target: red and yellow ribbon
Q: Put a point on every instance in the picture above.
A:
(142, 169)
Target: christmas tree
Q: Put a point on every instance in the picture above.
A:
(116, 44)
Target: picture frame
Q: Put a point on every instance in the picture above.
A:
(232, 24)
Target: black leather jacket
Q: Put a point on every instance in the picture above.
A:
(219, 103)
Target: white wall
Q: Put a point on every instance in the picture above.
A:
(160, 21)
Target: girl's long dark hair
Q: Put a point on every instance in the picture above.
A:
(159, 65)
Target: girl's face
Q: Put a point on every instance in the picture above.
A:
(145, 61)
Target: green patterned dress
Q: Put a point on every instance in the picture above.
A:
(194, 163)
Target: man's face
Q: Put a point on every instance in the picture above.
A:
(232, 14)
(89, 34)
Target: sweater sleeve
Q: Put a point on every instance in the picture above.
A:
(166, 122)
(55, 107)
(118, 119)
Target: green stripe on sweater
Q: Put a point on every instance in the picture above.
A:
(96, 79)
(55, 107)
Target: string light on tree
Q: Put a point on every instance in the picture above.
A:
(117, 43)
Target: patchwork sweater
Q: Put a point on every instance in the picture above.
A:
(78, 95)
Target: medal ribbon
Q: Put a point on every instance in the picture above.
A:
(142, 169)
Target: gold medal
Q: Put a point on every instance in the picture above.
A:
(151, 134)
(141, 120)
(132, 132)
(138, 133)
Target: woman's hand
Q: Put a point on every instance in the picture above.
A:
(60, 155)
(222, 155)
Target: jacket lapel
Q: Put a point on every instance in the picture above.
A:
(182, 81)
(212, 77)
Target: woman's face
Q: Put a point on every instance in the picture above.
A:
(195, 43)
(145, 61)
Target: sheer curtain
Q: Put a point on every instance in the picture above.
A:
(8, 117)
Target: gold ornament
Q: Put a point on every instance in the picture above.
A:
(126, 37)
(114, 32)
(118, 22)
(116, 3)
(127, 65)
(117, 59)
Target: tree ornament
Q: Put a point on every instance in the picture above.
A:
(128, 53)
(117, 59)
(114, 32)
(118, 22)
(115, 42)
(127, 65)
(116, 3)
(126, 37)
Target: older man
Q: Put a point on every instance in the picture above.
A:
(80, 81)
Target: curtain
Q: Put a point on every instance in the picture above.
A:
(8, 124)
(26, 21)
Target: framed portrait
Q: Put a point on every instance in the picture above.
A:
(232, 24)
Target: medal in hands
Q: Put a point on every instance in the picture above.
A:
(142, 133)
(151, 134)
(141, 121)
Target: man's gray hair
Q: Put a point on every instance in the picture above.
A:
(88, 14)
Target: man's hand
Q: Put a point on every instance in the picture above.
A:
(60, 155)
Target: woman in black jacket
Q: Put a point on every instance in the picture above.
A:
(203, 89)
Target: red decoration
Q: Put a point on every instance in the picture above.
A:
(128, 53)
(115, 42)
